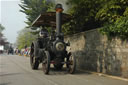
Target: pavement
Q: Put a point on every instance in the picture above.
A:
(16, 70)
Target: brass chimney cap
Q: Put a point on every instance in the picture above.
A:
(59, 7)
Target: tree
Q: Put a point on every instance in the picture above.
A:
(32, 8)
(24, 38)
(114, 14)
(110, 15)
(3, 40)
(84, 12)
(1, 28)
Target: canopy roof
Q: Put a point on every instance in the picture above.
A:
(48, 19)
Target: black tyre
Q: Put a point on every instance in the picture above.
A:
(33, 56)
(46, 62)
(71, 64)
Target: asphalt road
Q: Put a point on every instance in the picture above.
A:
(16, 70)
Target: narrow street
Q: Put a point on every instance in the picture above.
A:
(16, 70)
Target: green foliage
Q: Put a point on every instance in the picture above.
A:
(3, 40)
(110, 15)
(117, 29)
(32, 8)
(25, 37)
(84, 12)
(1, 28)
(114, 15)
(111, 10)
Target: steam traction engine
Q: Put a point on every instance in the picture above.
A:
(52, 50)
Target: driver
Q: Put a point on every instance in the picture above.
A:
(43, 33)
(43, 38)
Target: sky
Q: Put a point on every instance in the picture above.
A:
(11, 18)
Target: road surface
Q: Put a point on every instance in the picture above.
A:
(16, 70)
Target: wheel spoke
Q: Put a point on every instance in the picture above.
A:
(46, 62)
(71, 64)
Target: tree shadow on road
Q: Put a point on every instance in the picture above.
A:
(79, 72)
(9, 74)
(64, 71)
(5, 83)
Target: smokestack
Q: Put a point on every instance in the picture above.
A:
(59, 10)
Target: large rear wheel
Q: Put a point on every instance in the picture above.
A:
(33, 59)
(46, 62)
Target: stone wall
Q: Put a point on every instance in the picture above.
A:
(96, 53)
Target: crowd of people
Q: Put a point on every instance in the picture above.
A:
(21, 52)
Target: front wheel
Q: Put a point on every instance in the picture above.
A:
(46, 62)
(71, 64)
